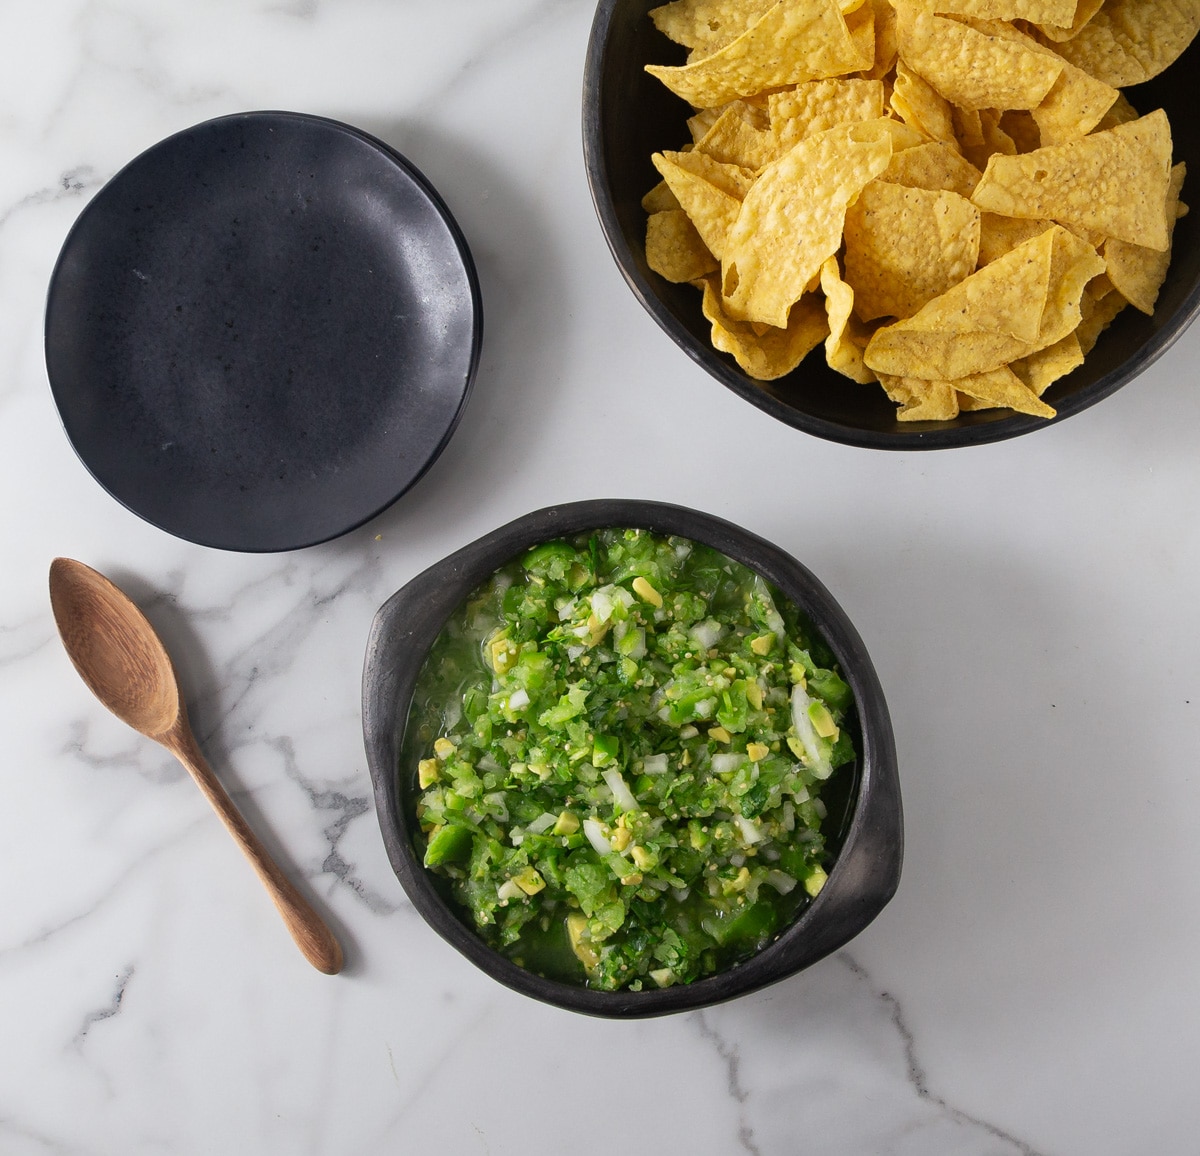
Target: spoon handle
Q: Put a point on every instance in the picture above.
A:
(307, 928)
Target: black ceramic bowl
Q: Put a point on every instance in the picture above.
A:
(627, 115)
(866, 869)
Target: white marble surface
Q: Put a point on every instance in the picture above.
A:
(1031, 607)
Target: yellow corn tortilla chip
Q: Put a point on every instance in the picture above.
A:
(822, 104)
(1035, 11)
(885, 40)
(1001, 388)
(732, 139)
(731, 179)
(1076, 102)
(847, 338)
(999, 235)
(794, 41)
(983, 322)
(707, 24)
(792, 218)
(906, 246)
(1022, 129)
(1137, 273)
(1073, 263)
(766, 353)
(660, 198)
(1085, 10)
(1042, 369)
(702, 121)
(933, 165)
(1113, 181)
(1097, 316)
(968, 126)
(1073, 107)
(1122, 112)
(674, 249)
(861, 25)
(994, 140)
(919, 105)
(971, 69)
(921, 400)
(1129, 41)
(712, 210)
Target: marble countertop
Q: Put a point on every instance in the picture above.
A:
(1031, 608)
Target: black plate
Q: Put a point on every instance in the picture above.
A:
(262, 331)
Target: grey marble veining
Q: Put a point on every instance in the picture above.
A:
(1030, 607)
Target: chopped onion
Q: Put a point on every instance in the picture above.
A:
(819, 762)
(749, 829)
(782, 882)
(602, 603)
(725, 763)
(706, 633)
(542, 823)
(594, 831)
(519, 699)
(655, 764)
(620, 790)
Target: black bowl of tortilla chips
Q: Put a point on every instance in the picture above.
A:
(629, 115)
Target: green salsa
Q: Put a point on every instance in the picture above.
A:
(615, 755)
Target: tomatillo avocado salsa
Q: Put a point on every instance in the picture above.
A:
(618, 744)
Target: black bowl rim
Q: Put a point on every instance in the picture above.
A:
(863, 878)
(727, 373)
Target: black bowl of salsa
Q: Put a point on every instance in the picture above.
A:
(861, 836)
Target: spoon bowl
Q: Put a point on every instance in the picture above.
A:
(122, 660)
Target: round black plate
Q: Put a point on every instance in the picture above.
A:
(262, 331)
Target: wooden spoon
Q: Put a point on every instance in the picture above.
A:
(123, 661)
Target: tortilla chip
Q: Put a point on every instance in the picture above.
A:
(861, 25)
(934, 165)
(847, 338)
(792, 218)
(1022, 129)
(985, 321)
(674, 249)
(1097, 316)
(916, 102)
(822, 104)
(732, 139)
(660, 199)
(971, 69)
(921, 400)
(707, 24)
(771, 353)
(1073, 263)
(1083, 13)
(1042, 369)
(999, 235)
(1001, 388)
(1076, 102)
(1113, 181)
(712, 210)
(886, 46)
(906, 246)
(1035, 11)
(794, 41)
(1137, 273)
(1129, 41)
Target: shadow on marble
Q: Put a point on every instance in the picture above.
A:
(523, 281)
